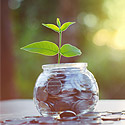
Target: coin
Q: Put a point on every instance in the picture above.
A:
(91, 122)
(84, 95)
(69, 99)
(60, 75)
(32, 117)
(67, 113)
(73, 106)
(54, 86)
(65, 94)
(93, 100)
(53, 98)
(114, 112)
(57, 75)
(51, 105)
(111, 117)
(85, 80)
(41, 94)
(82, 82)
(63, 122)
(105, 113)
(15, 122)
(80, 106)
(47, 120)
(90, 115)
(69, 118)
(43, 106)
(40, 120)
(69, 92)
(61, 106)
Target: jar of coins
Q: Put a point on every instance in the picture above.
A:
(65, 88)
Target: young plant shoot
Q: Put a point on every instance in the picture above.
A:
(48, 48)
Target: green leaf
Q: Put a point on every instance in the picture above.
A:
(66, 25)
(43, 47)
(68, 50)
(51, 26)
(58, 22)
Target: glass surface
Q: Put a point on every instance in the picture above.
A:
(65, 87)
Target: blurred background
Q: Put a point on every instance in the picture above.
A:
(99, 32)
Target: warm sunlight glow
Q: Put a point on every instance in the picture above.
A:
(102, 37)
(113, 35)
(120, 39)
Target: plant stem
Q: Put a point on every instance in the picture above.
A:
(60, 40)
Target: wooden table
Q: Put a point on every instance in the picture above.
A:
(19, 108)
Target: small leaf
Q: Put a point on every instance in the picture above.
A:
(51, 26)
(43, 47)
(68, 50)
(58, 22)
(66, 25)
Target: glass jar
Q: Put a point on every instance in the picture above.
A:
(65, 87)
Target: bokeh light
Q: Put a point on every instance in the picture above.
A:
(103, 37)
(114, 34)
(88, 19)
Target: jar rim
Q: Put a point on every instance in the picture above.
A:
(65, 65)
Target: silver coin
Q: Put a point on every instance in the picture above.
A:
(111, 117)
(51, 105)
(69, 92)
(115, 113)
(105, 113)
(47, 120)
(93, 100)
(60, 75)
(90, 121)
(53, 98)
(44, 106)
(84, 95)
(41, 94)
(85, 80)
(69, 122)
(69, 99)
(67, 113)
(14, 122)
(54, 86)
(82, 82)
(90, 115)
(81, 106)
(73, 106)
(61, 106)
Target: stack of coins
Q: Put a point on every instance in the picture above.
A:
(66, 92)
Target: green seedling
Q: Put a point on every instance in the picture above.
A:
(48, 48)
